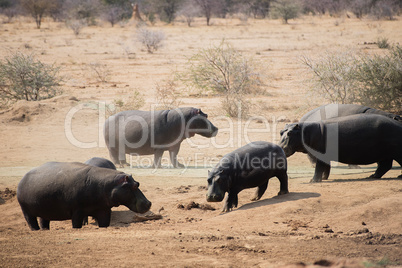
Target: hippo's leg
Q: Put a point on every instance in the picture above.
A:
(282, 176)
(400, 163)
(32, 221)
(260, 191)
(158, 158)
(326, 171)
(103, 217)
(383, 167)
(114, 155)
(312, 160)
(77, 219)
(321, 171)
(44, 224)
(173, 151)
(231, 202)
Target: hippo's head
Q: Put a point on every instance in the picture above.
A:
(291, 139)
(219, 182)
(126, 192)
(199, 124)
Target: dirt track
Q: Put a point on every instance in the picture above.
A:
(347, 220)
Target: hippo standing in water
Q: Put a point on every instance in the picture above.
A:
(100, 162)
(247, 167)
(147, 133)
(59, 191)
(359, 139)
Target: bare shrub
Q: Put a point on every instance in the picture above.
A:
(333, 76)
(76, 25)
(134, 101)
(100, 71)
(189, 12)
(152, 40)
(383, 42)
(372, 80)
(224, 70)
(167, 95)
(22, 77)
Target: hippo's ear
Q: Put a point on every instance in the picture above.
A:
(122, 179)
(209, 172)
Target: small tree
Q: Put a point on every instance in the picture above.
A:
(225, 71)
(38, 8)
(167, 95)
(380, 80)
(372, 80)
(189, 11)
(285, 9)
(76, 25)
(24, 78)
(152, 40)
(334, 76)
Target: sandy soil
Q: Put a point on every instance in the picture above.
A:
(347, 221)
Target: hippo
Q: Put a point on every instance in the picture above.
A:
(359, 139)
(247, 167)
(153, 132)
(59, 191)
(100, 162)
(333, 110)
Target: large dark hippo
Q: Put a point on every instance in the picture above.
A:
(60, 191)
(100, 162)
(360, 139)
(147, 133)
(333, 110)
(247, 167)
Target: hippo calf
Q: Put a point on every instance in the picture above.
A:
(247, 167)
(100, 162)
(359, 139)
(153, 132)
(59, 191)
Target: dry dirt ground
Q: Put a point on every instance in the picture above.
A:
(347, 221)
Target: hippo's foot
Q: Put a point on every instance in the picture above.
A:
(226, 208)
(374, 176)
(179, 165)
(314, 180)
(255, 198)
(283, 192)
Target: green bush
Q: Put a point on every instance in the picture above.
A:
(380, 80)
(285, 9)
(225, 71)
(22, 77)
(334, 76)
(372, 80)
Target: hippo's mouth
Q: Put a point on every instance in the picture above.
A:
(214, 198)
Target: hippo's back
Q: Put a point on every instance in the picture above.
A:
(100, 162)
(258, 154)
(333, 110)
